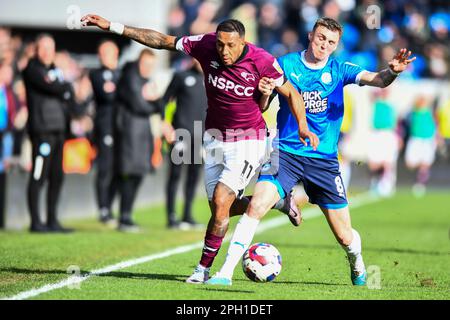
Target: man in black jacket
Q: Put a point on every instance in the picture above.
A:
(189, 91)
(48, 97)
(104, 83)
(136, 100)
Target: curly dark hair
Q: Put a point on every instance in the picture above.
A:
(232, 25)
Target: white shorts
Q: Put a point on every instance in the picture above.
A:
(383, 147)
(420, 151)
(232, 163)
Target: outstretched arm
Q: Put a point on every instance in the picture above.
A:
(386, 76)
(148, 37)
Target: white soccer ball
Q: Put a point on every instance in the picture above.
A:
(261, 262)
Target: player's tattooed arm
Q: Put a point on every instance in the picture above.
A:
(386, 76)
(148, 37)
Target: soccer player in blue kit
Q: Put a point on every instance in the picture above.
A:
(320, 79)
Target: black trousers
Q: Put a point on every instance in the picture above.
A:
(47, 152)
(128, 187)
(175, 171)
(19, 136)
(105, 181)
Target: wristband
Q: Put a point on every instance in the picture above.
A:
(116, 27)
(393, 73)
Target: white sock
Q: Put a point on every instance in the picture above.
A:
(354, 253)
(202, 268)
(241, 240)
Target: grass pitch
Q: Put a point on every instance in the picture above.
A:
(405, 246)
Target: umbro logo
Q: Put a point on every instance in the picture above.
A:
(214, 64)
(296, 76)
(248, 76)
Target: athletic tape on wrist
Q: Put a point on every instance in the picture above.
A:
(393, 73)
(116, 27)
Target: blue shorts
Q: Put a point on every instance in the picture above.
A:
(321, 178)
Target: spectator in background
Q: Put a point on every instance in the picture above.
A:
(439, 23)
(26, 53)
(443, 114)
(21, 155)
(308, 11)
(270, 26)
(289, 43)
(332, 10)
(190, 7)
(384, 145)
(5, 155)
(104, 82)
(188, 90)
(415, 26)
(8, 105)
(14, 55)
(204, 23)
(136, 100)
(344, 145)
(421, 145)
(9, 102)
(5, 38)
(49, 98)
(247, 13)
(177, 27)
(438, 66)
(81, 123)
(5, 46)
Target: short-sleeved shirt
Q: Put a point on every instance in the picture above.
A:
(384, 117)
(322, 91)
(232, 91)
(422, 124)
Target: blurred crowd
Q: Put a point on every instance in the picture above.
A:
(277, 26)
(369, 40)
(418, 136)
(14, 57)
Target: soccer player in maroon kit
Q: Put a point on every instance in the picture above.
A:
(235, 137)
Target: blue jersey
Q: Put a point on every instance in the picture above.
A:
(323, 92)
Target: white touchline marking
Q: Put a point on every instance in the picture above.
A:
(308, 213)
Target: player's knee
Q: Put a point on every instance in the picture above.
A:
(256, 209)
(220, 202)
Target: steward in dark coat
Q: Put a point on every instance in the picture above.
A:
(136, 101)
(133, 133)
(104, 83)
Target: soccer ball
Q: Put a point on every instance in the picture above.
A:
(261, 262)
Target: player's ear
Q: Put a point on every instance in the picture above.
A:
(310, 36)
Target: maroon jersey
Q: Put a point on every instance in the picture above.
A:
(232, 91)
